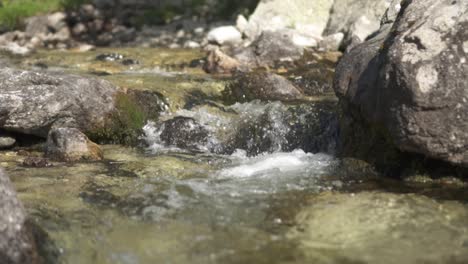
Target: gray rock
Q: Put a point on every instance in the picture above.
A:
(271, 47)
(37, 25)
(277, 127)
(331, 42)
(263, 86)
(412, 82)
(33, 102)
(357, 19)
(17, 245)
(69, 144)
(6, 142)
(225, 35)
(276, 15)
(15, 49)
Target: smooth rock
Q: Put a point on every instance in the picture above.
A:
(70, 144)
(218, 62)
(17, 244)
(15, 49)
(356, 19)
(242, 23)
(6, 142)
(225, 35)
(273, 15)
(379, 227)
(331, 42)
(271, 47)
(263, 86)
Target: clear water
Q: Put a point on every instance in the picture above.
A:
(161, 204)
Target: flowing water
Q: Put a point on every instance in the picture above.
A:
(253, 202)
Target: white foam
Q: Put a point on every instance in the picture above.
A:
(152, 137)
(280, 163)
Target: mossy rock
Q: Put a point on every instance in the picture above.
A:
(134, 109)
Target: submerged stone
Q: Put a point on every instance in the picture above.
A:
(17, 245)
(263, 86)
(375, 227)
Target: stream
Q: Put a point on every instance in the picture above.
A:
(240, 196)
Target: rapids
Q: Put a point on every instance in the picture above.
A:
(254, 192)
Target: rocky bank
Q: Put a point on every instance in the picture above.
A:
(408, 84)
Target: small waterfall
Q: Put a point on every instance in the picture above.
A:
(255, 127)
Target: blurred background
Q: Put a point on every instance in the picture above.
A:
(130, 12)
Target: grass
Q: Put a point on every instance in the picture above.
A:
(13, 12)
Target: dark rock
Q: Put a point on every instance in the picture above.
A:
(69, 144)
(109, 57)
(184, 133)
(410, 84)
(127, 62)
(314, 73)
(261, 85)
(310, 127)
(17, 244)
(196, 63)
(36, 162)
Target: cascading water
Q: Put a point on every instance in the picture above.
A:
(252, 182)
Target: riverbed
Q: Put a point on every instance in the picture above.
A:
(156, 203)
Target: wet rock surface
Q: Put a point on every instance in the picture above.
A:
(69, 144)
(36, 162)
(263, 86)
(17, 245)
(384, 221)
(184, 133)
(415, 87)
(32, 102)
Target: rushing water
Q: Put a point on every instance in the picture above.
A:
(248, 204)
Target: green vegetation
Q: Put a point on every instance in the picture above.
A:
(126, 123)
(13, 12)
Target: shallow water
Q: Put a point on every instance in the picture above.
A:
(161, 204)
(274, 208)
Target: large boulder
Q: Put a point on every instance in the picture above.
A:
(32, 102)
(17, 244)
(357, 19)
(307, 17)
(270, 47)
(410, 82)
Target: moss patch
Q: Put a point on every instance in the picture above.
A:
(132, 112)
(13, 12)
